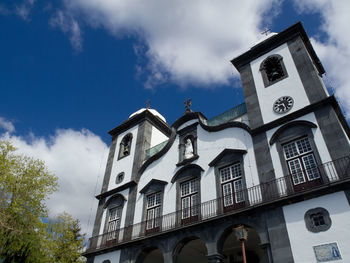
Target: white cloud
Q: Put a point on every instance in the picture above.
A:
(187, 42)
(78, 158)
(6, 125)
(23, 10)
(69, 25)
(335, 52)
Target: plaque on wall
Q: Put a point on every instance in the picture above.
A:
(327, 252)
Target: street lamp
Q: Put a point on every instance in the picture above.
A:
(242, 235)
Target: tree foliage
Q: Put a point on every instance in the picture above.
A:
(25, 184)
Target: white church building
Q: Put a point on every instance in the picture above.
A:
(278, 165)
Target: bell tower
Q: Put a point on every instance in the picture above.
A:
(280, 75)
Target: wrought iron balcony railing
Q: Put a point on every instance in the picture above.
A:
(324, 175)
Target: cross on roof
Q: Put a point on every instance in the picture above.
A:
(266, 31)
(188, 103)
(148, 104)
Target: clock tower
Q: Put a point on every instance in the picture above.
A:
(280, 75)
(282, 84)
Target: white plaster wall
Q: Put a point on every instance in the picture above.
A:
(209, 145)
(187, 124)
(318, 138)
(157, 137)
(291, 86)
(302, 241)
(124, 193)
(124, 164)
(113, 256)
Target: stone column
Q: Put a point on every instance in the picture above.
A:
(215, 258)
(267, 250)
(168, 257)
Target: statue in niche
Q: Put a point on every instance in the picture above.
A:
(188, 149)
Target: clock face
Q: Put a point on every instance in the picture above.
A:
(283, 104)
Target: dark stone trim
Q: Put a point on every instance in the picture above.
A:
(225, 152)
(262, 69)
(334, 137)
(109, 165)
(187, 167)
(116, 190)
(280, 130)
(116, 196)
(159, 154)
(153, 181)
(187, 161)
(231, 124)
(341, 117)
(347, 194)
(311, 81)
(294, 115)
(309, 223)
(145, 115)
(251, 97)
(98, 218)
(275, 41)
(263, 159)
(187, 117)
(187, 129)
(278, 235)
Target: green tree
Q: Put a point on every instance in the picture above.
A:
(65, 241)
(25, 185)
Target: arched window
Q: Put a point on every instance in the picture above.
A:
(125, 146)
(298, 153)
(114, 207)
(273, 70)
(188, 192)
(230, 178)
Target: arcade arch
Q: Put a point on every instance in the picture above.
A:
(231, 249)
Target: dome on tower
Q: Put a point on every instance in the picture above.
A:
(153, 111)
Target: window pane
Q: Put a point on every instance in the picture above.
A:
(238, 186)
(225, 174)
(297, 173)
(290, 150)
(194, 204)
(236, 170)
(318, 219)
(157, 217)
(185, 188)
(150, 216)
(112, 213)
(227, 191)
(304, 145)
(194, 186)
(311, 167)
(158, 199)
(119, 212)
(150, 200)
(185, 207)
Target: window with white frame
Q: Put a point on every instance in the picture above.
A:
(189, 191)
(154, 202)
(232, 184)
(301, 161)
(114, 216)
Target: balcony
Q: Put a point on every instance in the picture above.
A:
(323, 176)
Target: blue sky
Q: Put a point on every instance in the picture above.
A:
(72, 70)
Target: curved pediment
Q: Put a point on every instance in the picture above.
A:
(190, 168)
(285, 127)
(224, 153)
